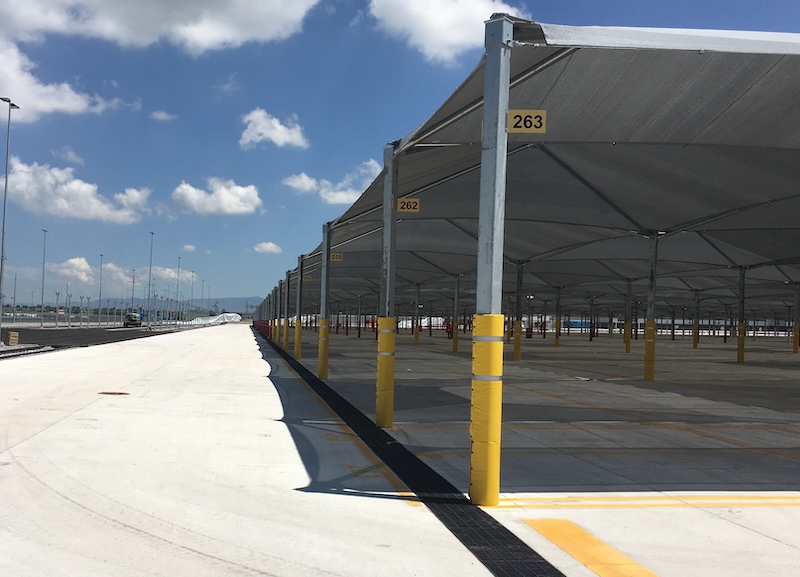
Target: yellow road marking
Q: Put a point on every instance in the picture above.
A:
(588, 549)
(649, 502)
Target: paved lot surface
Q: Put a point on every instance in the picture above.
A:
(696, 474)
(219, 460)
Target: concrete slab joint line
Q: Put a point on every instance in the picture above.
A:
(495, 546)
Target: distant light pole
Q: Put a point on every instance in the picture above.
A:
(100, 296)
(80, 312)
(33, 307)
(58, 293)
(69, 308)
(150, 278)
(191, 299)
(178, 295)
(44, 252)
(11, 106)
(133, 286)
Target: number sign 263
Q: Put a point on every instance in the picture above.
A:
(530, 121)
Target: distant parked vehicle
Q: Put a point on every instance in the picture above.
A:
(132, 320)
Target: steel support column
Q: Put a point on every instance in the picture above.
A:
(416, 319)
(324, 313)
(298, 324)
(628, 312)
(487, 339)
(518, 316)
(387, 323)
(742, 322)
(650, 321)
(285, 333)
(796, 345)
(558, 316)
(455, 313)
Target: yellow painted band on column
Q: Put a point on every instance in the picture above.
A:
(695, 335)
(558, 330)
(486, 409)
(455, 337)
(508, 331)
(298, 340)
(384, 392)
(285, 334)
(322, 355)
(650, 350)
(796, 337)
(518, 341)
(416, 334)
(740, 344)
(627, 337)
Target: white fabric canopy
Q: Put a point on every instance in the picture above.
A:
(690, 134)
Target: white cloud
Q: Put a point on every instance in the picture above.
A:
(42, 189)
(262, 126)
(197, 26)
(268, 247)
(440, 29)
(117, 278)
(301, 182)
(75, 269)
(189, 248)
(36, 98)
(162, 116)
(223, 197)
(346, 191)
(227, 86)
(66, 154)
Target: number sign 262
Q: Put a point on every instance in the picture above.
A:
(408, 205)
(530, 121)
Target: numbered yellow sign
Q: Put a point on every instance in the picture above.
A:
(307, 277)
(407, 205)
(528, 121)
(337, 257)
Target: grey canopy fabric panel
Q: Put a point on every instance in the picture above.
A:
(691, 135)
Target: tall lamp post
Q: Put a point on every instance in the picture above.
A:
(11, 106)
(44, 252)
(150, 279)
(100, 296)
(178, 295)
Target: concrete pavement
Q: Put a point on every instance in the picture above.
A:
(211, 462)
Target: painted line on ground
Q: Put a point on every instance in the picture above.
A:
(587, 549)
(659, 501)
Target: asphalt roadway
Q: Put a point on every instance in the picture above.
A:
(76, 336)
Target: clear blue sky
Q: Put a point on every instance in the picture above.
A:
(233, 133)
